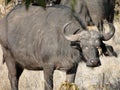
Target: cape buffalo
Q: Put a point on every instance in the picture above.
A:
(47, 40)
(94, 12)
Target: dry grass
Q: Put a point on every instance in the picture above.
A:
(105, 77)
(5, 9)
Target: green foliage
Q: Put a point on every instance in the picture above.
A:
(39, 3)
(28, 2)
(7, 1)
(42, 3)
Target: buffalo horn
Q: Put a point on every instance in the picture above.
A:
(109, 35)
(70, 37)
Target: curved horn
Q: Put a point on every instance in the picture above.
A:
(70, 37)
(109, 35)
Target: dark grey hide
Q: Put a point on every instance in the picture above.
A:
(94, 12)
(38, 39)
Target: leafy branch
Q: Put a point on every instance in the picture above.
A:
(28, 2)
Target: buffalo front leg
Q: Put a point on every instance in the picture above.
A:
(48, 76)
(14, 77)
(71, 74)
(14, 71)
(100, 26)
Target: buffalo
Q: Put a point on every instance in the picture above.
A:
(38, 39)
(94, 12)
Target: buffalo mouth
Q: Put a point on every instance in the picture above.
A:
(93, 63)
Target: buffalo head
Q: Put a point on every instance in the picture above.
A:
(90, 43)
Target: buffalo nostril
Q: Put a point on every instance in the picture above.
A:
(92, 61)
(95, 62)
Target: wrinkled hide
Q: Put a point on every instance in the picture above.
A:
(38, 39)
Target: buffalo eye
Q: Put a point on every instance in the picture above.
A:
(96, 41)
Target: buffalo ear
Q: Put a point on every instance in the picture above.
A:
(108, 50)
(75, 44)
